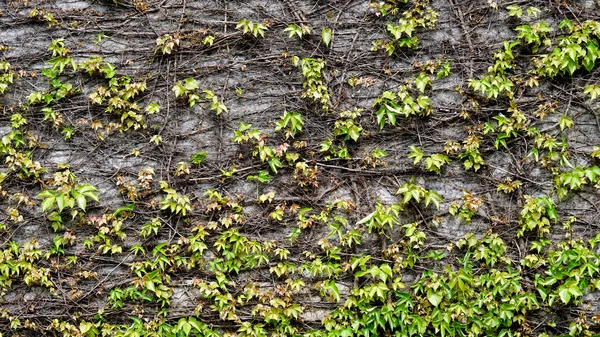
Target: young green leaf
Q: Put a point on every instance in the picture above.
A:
(533, 11)
(80, 199)
(515, 10)
(198, 158)
(326, 35)
(423, 81)
(152, 108)
(433, 197)
(293, 29)
(48, 203)
(415, 153)
(593, 90)
(435, 298)
(565, 122)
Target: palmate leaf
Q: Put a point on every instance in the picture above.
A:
(84, 327)
(274, 164)
(187, 328)
(191, 84)
(293, 29)
(152, 108)
(592, 90)
(433, 197)
(259, 29)
(195, 324)
(412, 194)
(415, 153)
(178, 89)
(592, 173)
(88, 191)
(533, 11)
(436, 161)
(296, 119)
(243, 24)
(515, 10)
(379, 290)
(568, 290)
(198, 158)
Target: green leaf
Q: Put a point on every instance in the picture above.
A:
(150, 285)
(332, 286)
(326, 34)
(385, 272)
(433, 197)
(275, 163)
(46, 194)
(187, 328)
(198, 158)
(109, 70)
(35, 97)
(91, 195)
(85, 327)
(593, 90)
(178, 89)
(515, 10)
(191, 84)
(422, 81)
(565, 122)
(48, 203)
(152, 108)
(434, 298)
(573, 288)
(570, 64)
(194, 323)
(293, 29)
(244, 126)
(533, 11)
(566, 23)
(88, 191)
(80, 199)
(415, 153)
(354, 132)
(552, 213)
(60, 201)
(391, 115)
(565, 295)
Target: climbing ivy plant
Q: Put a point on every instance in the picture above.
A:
(440, 188)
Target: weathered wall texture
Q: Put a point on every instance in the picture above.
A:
(257, 81)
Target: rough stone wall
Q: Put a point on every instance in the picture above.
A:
(257, 81)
